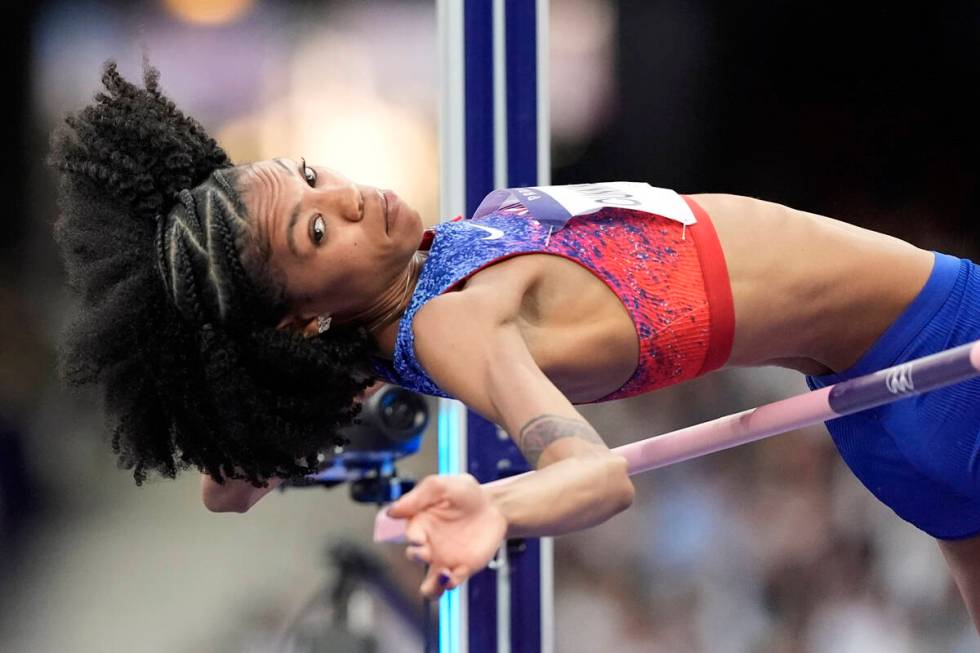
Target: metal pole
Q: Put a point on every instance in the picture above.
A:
(493, 133)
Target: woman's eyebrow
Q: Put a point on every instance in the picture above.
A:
(293, 218)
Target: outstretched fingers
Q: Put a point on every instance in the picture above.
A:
(419, 554)
(417, 549)
(430, 491)
(438, 580)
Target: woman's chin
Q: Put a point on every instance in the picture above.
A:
(412, 223)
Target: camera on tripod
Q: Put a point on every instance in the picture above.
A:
(390, 426)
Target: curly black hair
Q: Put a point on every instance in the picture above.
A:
(177, 311)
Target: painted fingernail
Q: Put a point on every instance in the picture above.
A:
(443, 579)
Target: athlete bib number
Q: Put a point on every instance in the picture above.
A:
(556, 205)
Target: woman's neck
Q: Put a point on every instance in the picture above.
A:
(381, 321)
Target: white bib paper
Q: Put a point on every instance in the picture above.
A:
(556, 205)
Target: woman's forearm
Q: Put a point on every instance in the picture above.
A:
(566, 496)
(233, 495)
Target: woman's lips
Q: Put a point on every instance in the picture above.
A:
(384, 207)
(391, 208)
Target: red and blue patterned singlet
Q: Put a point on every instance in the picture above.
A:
(671, 278)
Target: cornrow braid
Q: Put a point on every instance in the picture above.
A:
(177, 305)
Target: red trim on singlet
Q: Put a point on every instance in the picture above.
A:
(428, 236)
(717, 288)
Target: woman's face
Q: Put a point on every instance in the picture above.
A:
(336, 245)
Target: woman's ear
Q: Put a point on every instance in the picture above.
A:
(305, 326)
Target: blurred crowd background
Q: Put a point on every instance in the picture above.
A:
(865, 112)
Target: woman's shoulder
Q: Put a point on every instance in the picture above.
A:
(494, 293)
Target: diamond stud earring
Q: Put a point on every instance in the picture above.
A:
(323, 323)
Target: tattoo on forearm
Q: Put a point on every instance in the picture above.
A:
(545, 429)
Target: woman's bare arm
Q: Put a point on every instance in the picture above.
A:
(470, 344)
(233, 495)
(473, 348)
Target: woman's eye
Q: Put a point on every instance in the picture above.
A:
(318, 229)
(309, 174)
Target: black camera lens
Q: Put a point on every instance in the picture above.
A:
(390, 418)
(402, 412)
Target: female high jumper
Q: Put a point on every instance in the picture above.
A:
(232, 314)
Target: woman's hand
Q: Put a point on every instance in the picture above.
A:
(234, 495)
(452, 526)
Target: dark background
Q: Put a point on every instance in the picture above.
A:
(864, 113)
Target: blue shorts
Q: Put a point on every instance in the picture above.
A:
(921, 456)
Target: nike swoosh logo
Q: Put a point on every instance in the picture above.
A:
(493, 231)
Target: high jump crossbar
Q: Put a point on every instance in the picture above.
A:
(845, 398)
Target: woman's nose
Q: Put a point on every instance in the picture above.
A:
(346, 201)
